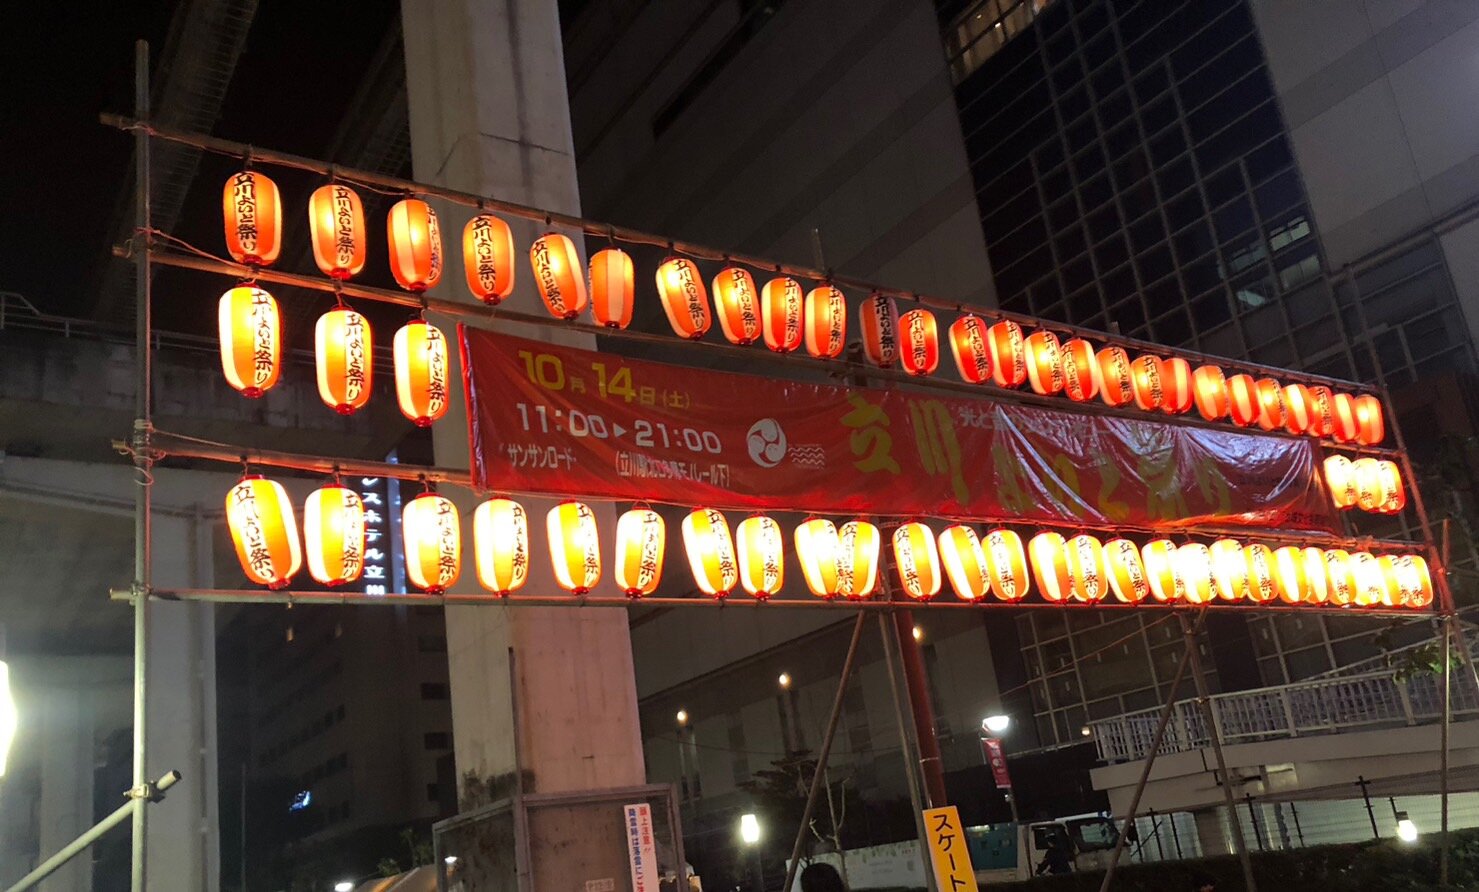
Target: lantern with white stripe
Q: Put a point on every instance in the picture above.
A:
(737, 302)
(1317, 580)
(878, 322)
(1344, 412)
(969, 344)
(415, 240)
(781, 314)
(1087, 573)
(1291, 576)
(488, 258)
(1260, 579)
(1159, 558)
(817, 544)
(1044, 362)
(1115, 383)
(1080, 370)
(500, 545)
(1229, 569)
(1007, 564)
(1049, 554)
(432, 537)
(252, 209)
(762, 562)
(264, 531)
(574, 546)
(641, 540)
(556, 265)
(1370, 428)
(336, 225)
(343, 357)
(251, 339)
(1242, 400)
(613, 288)
(1194, 573)
(824, 322)
(1008, 349)
(858, 543)
(710, 551)
(1176, 395)
(334, 535)
(965, 562)
(421, 372)
(1146, 375)
(1270, 404)
(919, 348)
(1322, 411)
(1298, 406)
(917, 561)
(1209, 391)
(1126, 571)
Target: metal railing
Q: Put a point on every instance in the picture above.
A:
(1320, 706)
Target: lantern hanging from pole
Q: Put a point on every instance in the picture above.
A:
(1087, 573)
(556, 265)
(1299, 408)
(1209, 390)
(500, 545)
(1159, 558)
(1393, 592)
(1291, 579)
(252, 209)
(1340, 577)
(415, 240)
(1317, 580)
(969, 344)
(817, 545)
(781, 314)
(574, 546)
(336, 224)
(1370, 581)
(825, 325)
(1044, 362)
(1270, 404)
(251, 339)
(641, 539)
(1367, 476)
(710, 552)
(1260, 579)
(1394, 497)
(680, 287)
(1049, 553)
(1340, 480)
(857, 559)
(1008, 350)
(762, 562)
(1080, 370)
(1243, 403)
(1416, 581)
(264, 531)
(1344, 411)
(613, 288)
(878, 321)
(1146, 382)
(1370, 429)
(1322, 412)
(1115, 383)
(965, 562)
(334, 535)
(737, 302)
(919, 352)
(421, 372)
(1006, 563)
(1194, 573)
(917, 560)
(1229, 569)
(488, 258)
(1176, 392)
(432, 534)
(343, 358)
(1127, 576)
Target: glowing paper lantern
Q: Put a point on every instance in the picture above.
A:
(1176, 395)
(1340, 577)
(1393, 594)
(762, 563)
(920, 347)
(1370, 581)
(1243, 404)
(817, 544)
(1317, 580)
(1322, 412)
(1291, 579)
(1194, 573)
(1299, 409)
(1049, 553)
(264, 531)
(1270, 404)
(680, 287)
(574, 546)
(1115, 384)
(251, 339)
(1340, 480)
(334, 535)
(1229, 569)
(781, 314)
(415, 240)
(710, 552)
(641, 539)
(1127, 576)
(343, 358)
(432, 534)
(1260, 581)
(737, 302)
(857, 559)
(488, 258)
(336, 224)
(969, 345)
(965, 562)
(613, 288)
(917, 560)
(1007, 564)
(1008, 354)
(1415, 580)
(1088, 575)
(1044, 362)
(825, 323)
(1145, 382)
(1370, 428)
(1378, 485)
(1394, 497)
(253, 213)
(1080, 370)
(500, 545)
(421, 372)
(1345, 418)
(1159, 557)
(1209, 390)
(556, 266)
(878, 320)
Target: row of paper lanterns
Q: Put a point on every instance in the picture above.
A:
(783, 317)
(836, 561)
(1367, 483)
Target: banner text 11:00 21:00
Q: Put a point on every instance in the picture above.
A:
(644, 433)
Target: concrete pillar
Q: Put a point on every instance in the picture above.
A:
(489, 115)
(65, 806)
(1212, 832)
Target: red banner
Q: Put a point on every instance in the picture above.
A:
(558, 420)
(997, 759)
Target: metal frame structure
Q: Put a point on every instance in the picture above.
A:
(147, 447)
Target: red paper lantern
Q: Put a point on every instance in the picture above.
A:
(1340, 480)
(1345, 418)
(917, 561)
(1127, 577)
(1088, 575)
(1115, 383)
(965, 562)
(920, 353)
(1044, 362)
(857, 560)
(1270, 404)
(251, 339)
(1007, 564)
(574, 546)
(252, 210)
(878, 321)
(1146, 378)
(1260, 579)
(500, 544)
(1370, 428)
(1049, 553)
(1008, 354)
(336, 225)
(762, 562)
(343, 356)
(737, 302)
(1299, 409)
(264, 531)
(556, 266)
(1317, 581)
(1370, 580)
(1291, 578)
(1209, 390)
(1159, 558)
(817, 546)
(1322, 412)
(1340, 577)
(334, 535)
(1176, 395)
(613, 288)
(968, 344)
(1080, 370)
(488, 258)
(421, 372)
(1243, 405)
(781, 314)
(432, 534)
(825, 324)
(1194, 573)
(641, 540)
(1229, 569)
(415, 240)
(710, 552)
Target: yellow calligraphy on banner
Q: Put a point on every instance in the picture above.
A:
(948, 852)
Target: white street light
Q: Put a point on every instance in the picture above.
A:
(682, 716)
(749, 829)
(344, 886)
(784, 681)
(9, 717)
(449, 860)
(1406, 830)
(996, 723)
(918, 633)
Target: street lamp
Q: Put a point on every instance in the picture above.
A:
(344, 886)
(749, 830)
(996, 723)
(785, 682)
(918, 633)
(449, 860)
(1406, 830)
(682, 717)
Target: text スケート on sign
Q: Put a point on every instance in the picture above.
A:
(559, 420)
(948, 850)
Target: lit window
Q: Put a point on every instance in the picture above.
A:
(984, 29)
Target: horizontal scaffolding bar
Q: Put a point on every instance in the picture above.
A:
(838, 367)
(736, 601)
(634, 236)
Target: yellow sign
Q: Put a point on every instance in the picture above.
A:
(948, 851)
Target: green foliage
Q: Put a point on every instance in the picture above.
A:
(388, 867)
(1425, 659)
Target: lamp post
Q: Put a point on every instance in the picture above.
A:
(749, 831)
(991, 751)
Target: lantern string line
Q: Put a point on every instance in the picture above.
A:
(388, 185)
